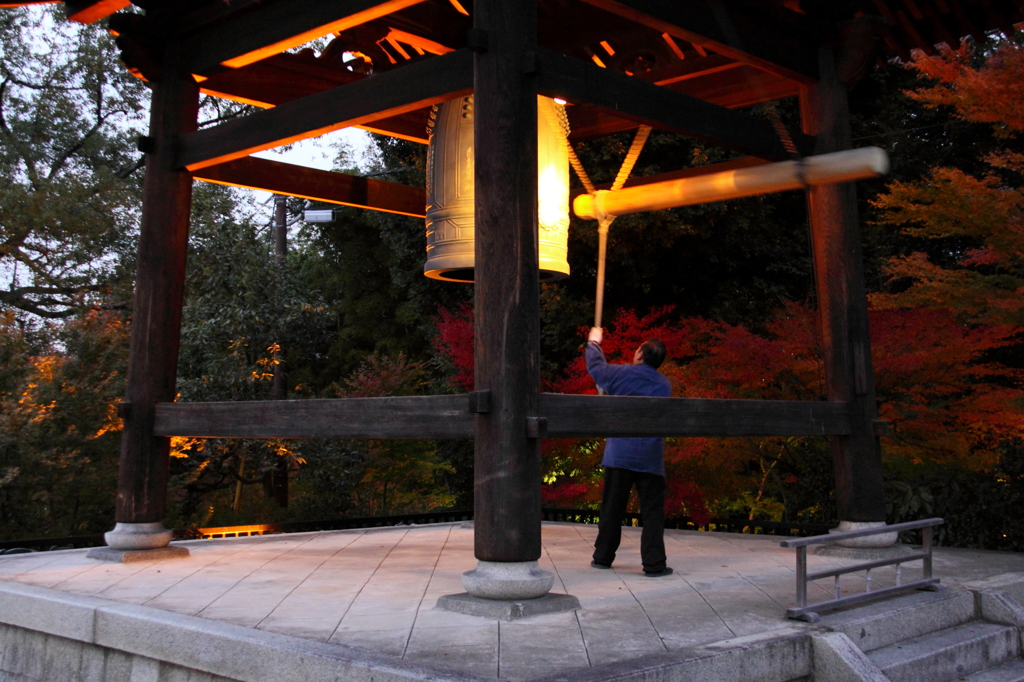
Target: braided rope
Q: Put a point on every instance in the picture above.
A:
(631, 157)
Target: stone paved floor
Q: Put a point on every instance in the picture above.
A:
(376, 589)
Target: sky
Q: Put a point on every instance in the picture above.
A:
(320, 152)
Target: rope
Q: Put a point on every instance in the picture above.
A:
(561, 127)
(631, 156)
(604, 223)
(563, 133)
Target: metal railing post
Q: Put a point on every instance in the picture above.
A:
(801, 576)
(809, 613)
(926, 542)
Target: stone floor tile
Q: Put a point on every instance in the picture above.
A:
(557, 646)
(319, 629)
(379, 621)
(484, 633)
(479, 660)
(390, 642)
(431, 617)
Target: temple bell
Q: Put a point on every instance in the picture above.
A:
(450, 196)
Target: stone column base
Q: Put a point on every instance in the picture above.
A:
(127, 556)
(507, 580)
(130, 542)
(131, 536)
(496, 609)
(870, 542)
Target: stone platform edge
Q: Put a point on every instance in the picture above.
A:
(45, 634)
(154, 639)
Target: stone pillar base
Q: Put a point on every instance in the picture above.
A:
(496, 609)
(128, 556)
(870, 542)
(507, 580)
(133, 536)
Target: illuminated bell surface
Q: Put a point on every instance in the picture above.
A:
(450, 196)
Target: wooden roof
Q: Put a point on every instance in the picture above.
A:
(730, 53)
(682, 66)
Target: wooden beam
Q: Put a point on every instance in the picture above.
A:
(90, 11)
(506, 304)
(842, 305)
(629, 417)
(738, 87)
(159, 291)
(278, 26)
(632, 98)
(434, 416)
(708, 23)
(411, 87)
(451, 416)
(318, 185)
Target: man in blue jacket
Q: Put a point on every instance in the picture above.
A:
(632, 461)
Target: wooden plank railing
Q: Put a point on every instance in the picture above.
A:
(809, 612)
(452, 416)
(402, 417)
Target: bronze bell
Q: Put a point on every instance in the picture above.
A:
(450, 207)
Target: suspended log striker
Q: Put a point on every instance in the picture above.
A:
(685, 67)
(824, 169)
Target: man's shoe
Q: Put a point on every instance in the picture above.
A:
(594, 564)
(658, 574)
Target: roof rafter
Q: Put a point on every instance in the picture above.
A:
(708, 23)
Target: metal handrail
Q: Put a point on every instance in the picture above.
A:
(809, 612)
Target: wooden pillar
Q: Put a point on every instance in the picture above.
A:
(842, 304)
(159, 285)
(507, 463)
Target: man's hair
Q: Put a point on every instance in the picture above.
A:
(654, 352)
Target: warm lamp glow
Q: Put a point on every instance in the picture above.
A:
(450, 191)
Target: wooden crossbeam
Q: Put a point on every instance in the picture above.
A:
(711, 26)
(449, 416)
(434, 416)
(391, 93)
(278, 26)
(632, 98)
(318, 185)
(628, 416)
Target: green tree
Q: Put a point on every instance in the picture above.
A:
(59, 429)
(69, 114)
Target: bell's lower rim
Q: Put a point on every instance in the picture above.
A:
(466, 275)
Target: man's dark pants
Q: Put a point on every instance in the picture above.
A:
(651, 490)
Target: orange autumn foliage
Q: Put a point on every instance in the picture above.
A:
(986, 94)
(987, 213)
(945, 402)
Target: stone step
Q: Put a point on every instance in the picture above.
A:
(1011, 671)
(947, 654)
(881, 624)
